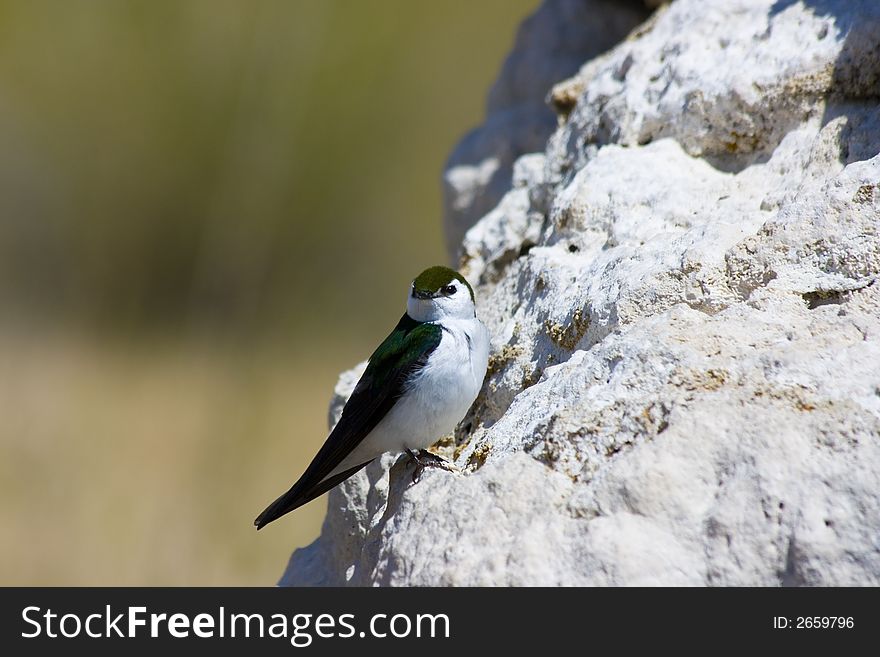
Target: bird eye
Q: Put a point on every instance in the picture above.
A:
(449, 289)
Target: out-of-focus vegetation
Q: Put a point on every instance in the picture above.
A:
(207, 210)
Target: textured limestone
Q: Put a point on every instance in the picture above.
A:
(550, 46)
(682, 292)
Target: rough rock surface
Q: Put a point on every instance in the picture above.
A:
(550, 46)
(682, 292)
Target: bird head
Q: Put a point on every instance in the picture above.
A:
(439, 293)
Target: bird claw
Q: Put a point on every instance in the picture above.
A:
(425, 459)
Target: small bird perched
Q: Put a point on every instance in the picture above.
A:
(418, 385)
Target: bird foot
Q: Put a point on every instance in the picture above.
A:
(425, 459)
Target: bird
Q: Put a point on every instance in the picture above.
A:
(417, 386)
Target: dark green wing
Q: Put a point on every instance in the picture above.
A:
(403, 353)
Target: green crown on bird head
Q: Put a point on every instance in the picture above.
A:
(434, 278)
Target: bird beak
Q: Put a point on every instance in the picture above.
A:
(422, 294)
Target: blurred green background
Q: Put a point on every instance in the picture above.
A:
(208, 209)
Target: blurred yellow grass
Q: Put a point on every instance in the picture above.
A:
(146, 463)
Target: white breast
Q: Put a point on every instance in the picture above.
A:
(436, 398)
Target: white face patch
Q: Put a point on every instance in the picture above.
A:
(451, 301)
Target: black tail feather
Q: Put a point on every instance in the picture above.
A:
(300, 494)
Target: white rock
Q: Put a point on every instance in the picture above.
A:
(550, 46)
(682, 292)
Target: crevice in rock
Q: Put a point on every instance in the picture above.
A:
(821, 298)
(791, 575)
(818, 298)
